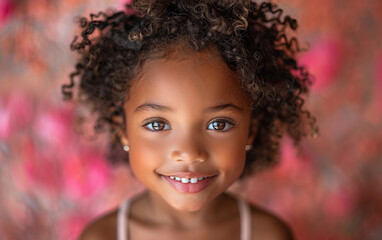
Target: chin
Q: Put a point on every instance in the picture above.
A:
(184, 207)
(191, 203)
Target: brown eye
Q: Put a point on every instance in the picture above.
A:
(157, 126)
(218, 125)
(221, 125)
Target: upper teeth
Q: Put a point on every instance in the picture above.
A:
(188, 180)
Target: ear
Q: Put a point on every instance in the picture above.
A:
(120, 132)
(253, 129)
(122, 137)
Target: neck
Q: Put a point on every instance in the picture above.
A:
(162, 213)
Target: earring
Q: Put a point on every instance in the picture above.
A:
(126, 148)
(248, 147)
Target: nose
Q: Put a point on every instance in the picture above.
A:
(189, 149)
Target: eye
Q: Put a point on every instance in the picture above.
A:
(157, 125)
(221, 125)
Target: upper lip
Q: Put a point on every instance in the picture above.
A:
(189, 174)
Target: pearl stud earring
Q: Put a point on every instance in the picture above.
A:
(248, 147)
(126, 148)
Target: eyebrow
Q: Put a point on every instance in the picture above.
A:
(223, 107)
(153, 106)
(220, 107)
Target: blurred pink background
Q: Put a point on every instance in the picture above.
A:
(52, 181)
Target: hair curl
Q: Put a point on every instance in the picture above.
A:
(250, 37)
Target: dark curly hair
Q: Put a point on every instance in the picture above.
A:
(250, 37)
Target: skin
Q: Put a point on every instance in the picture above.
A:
(188, 87)
(187, 114)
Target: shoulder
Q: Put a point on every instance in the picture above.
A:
(104, 227)
(268, 226)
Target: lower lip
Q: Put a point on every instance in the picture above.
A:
(189, 187)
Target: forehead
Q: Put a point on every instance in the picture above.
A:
(187, 77)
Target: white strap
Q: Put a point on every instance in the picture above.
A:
(122, 220)
(245, 220)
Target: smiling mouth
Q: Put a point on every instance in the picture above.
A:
(189, 185)
(187, 180)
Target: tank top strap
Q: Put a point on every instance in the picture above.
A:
(245, 220)
(122, 219)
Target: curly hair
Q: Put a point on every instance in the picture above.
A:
(250, 37)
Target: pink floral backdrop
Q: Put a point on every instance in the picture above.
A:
(53, 181)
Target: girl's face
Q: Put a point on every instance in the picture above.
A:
(187, 118)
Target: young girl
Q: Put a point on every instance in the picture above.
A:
(197, 94)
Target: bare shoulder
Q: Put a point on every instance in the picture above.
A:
(267, 226)
(104, 227)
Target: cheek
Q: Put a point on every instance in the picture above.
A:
(229, 155)
(145, 154)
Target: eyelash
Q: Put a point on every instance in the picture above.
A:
(230, 122)
(222, 120)
(151, 121)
